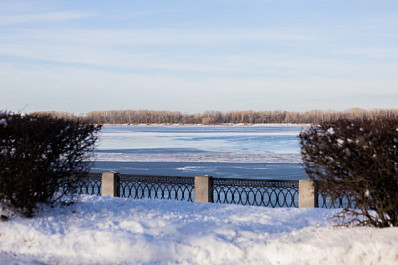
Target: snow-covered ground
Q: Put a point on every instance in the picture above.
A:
(104, 230)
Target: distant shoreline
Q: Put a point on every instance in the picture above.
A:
(212, 125)
(214, 118)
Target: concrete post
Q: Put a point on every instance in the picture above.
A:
(308, 194)
(111, 184)
(203, 189)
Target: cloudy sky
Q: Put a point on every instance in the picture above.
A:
(192, 56)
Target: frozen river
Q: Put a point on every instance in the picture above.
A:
(269, 152)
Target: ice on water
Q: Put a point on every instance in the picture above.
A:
(200, 144)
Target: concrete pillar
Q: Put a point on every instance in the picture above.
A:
(203, 189)
(111, 184)
(308, 194)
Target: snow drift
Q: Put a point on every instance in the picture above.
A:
(104, 230)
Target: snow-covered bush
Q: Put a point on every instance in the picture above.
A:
(39, 156)
(356, 158)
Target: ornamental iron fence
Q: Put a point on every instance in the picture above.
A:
(325, 201)
(90, 184)
(268, 193)
(157, 187)
(256, 192)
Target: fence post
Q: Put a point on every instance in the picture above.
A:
(203, 189)
(308, 194)
(111, 184)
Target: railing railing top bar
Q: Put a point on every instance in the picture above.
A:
(94, 174)
(256, 180)
(154, 176)
(260, 183)
(160, 179)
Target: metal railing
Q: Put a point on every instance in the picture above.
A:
(257, 192)
(157, 187)
(325, 201)
(90, 184)
(268, 193)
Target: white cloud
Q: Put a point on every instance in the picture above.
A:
(83, 90)
(373, 53)
(185, 59)
(157, 36)
(257, 64)
(44, 17)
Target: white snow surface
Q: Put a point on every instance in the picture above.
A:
(104, 230)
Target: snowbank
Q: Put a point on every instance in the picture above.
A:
(103, 230)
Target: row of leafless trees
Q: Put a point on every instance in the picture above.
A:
(233, 117)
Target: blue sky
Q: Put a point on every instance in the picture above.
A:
(192, 56)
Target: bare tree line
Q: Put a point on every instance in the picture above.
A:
(217, 117)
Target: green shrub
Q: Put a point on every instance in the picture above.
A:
(358, 158)
(39, 157)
